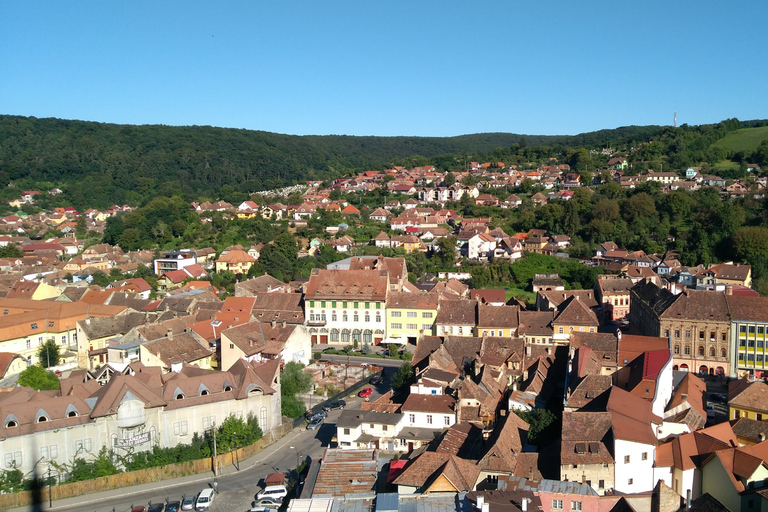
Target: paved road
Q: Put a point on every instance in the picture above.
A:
(236, 488)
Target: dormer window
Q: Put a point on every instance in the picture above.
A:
(11, 424)
(204, 392)
(34, 326)
(227, 388)
(71, 414)
(180, 396)
(50, 324)
(41, 419)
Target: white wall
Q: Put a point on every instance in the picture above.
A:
(421, 419)
(639, 470)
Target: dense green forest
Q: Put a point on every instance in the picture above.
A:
(100, 164)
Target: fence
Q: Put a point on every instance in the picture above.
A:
(142, 476)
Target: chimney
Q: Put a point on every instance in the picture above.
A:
(273, 324)
(761, 436)
(169, 334)
(524, 504)
(528, 350)
(729, 289)
(486, 507)
(480, 502)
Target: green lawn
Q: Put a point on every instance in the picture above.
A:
(525, 296)
(746, 139)
(725, 165)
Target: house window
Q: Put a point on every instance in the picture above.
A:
(426, 327)
(333, 304)
(395, 326)
(644, 456)
(33, 326)
(575, 505)
(367, 305)
(429, 419)
(601, 484)
(346, 431)
(412, 418)
(447, 420)
(701, 350)
(411, 314)
(630, 481)
(356, 305)
(677, 350)
(560, 330)
(311, 303)
(666, 333)
(395, 314)
(677, 333)
(426, 315)
(412, 327)
(322, 303)
(687, 350)
(626, 459)
(557, 504)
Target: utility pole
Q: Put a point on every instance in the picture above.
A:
(50, 496)
(215, 458)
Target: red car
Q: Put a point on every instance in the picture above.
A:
(365, 392)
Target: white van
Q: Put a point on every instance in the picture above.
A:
(204, 499)
(276, 492)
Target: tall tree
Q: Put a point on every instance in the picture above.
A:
(48, 354)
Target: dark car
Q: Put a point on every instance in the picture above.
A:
(717, 397)
(156, 507)
(173, 506)
(375, 380)
(336, 404)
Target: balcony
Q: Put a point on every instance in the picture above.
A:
(316, 322)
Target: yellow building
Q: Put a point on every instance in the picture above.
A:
(32, 290)
(409, 315)
(235, 261)
(497, 321)
(26, 324)
(750, 402)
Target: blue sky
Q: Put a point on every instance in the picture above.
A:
(432, 68)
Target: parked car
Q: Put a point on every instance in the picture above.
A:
(156, 507)
(173, 506)
(188, 503)
(267, 503)
(260, 509)
(204, 499)
(336, 404)
(276, 492)
(57, 373)
(311, 415)
(365, 392)
(375, 380)
(315, 423)
(139, 508)
(718, 397)
(710, 411)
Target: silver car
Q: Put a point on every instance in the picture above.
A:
(188, 503)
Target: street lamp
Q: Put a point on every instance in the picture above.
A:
(298, 455)
(215, 458)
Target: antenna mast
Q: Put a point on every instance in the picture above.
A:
(675, 119)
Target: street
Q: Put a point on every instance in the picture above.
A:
(237, 489)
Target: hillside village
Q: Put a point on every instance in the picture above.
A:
(640, 390)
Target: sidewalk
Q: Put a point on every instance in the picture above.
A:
(88, 500)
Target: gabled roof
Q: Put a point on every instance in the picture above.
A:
(574, 312)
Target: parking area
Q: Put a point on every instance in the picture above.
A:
(717, 396)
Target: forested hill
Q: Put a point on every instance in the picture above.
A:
(100, 164)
